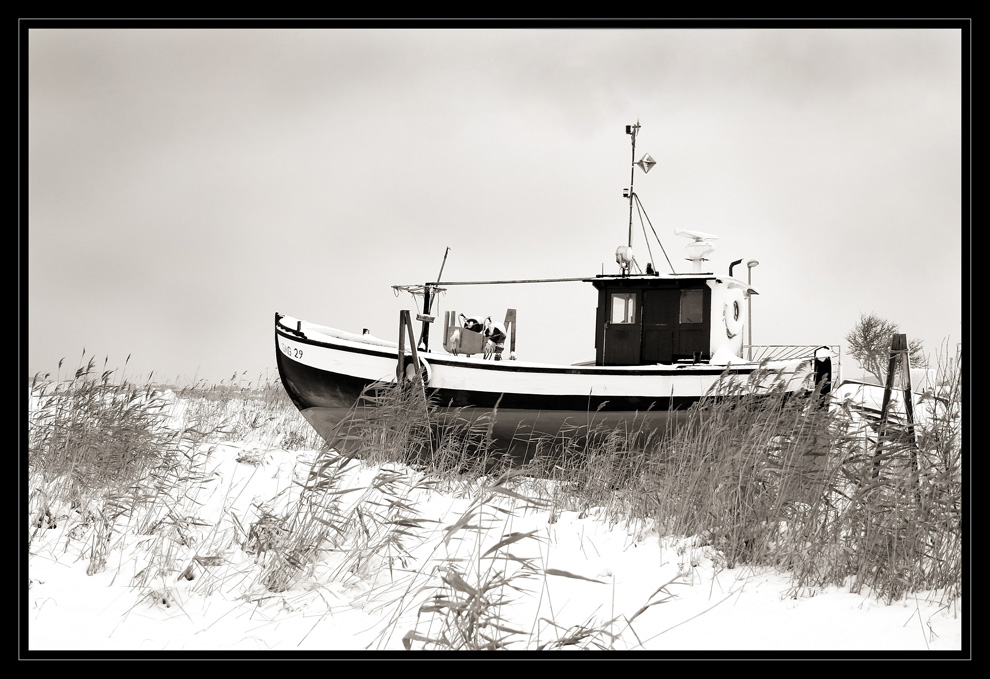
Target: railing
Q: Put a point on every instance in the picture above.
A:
(787, 352)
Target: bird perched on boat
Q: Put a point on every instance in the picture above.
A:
(495, 345)
(472, 323)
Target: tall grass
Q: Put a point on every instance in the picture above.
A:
(98, 450)
(112, 458)
(778, 481)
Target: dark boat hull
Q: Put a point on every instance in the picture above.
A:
(516, 406)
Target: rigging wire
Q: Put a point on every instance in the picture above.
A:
(659, 242)
(646, 239)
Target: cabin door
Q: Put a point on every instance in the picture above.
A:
(660, 319)
(622, 329)
(673, 325)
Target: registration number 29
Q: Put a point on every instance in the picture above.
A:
(291, 352)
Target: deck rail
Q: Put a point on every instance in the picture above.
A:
(787, 352)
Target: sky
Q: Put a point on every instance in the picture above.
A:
(184, 183)
(670, 596)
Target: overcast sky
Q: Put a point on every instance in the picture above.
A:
(183, 185)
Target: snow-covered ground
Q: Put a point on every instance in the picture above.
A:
(601, 584)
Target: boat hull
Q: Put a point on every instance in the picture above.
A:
(515, 404)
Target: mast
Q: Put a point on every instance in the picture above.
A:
(632, 131)
(427, 315)
(623, 256)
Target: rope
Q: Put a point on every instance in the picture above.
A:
(418, 292)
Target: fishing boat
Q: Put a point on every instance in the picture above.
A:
(663, 341)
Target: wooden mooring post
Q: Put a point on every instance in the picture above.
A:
(899, 364)
(418, 377)
(406, 330)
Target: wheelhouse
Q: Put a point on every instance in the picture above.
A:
(654, 319)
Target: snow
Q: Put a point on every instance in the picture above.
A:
(662, 594)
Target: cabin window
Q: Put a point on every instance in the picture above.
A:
(623, 307)
(692, 306)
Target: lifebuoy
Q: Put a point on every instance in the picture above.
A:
(426, 372)
(733, 312)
